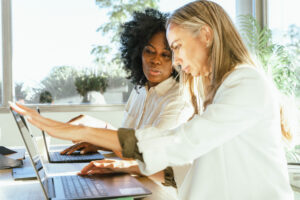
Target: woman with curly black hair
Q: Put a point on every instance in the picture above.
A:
(135, 39)
(147, 59)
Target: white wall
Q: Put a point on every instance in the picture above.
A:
(10, 135)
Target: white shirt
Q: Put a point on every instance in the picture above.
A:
(162, 107)
(235, 144)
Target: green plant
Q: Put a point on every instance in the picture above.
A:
(46, 97)
(293, 44)
(274, 58)
(90, 82)
(118, 11)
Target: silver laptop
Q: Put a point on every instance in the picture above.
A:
(56, 157)
(78, 187)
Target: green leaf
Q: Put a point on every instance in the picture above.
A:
(118, 12)
(274, 58)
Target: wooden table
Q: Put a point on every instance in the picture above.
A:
(31, 190)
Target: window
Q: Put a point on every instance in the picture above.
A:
(52, 59)
(57, 53)
(55, 44)
(283, 20)
(229, 6)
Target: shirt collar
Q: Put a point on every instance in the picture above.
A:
(162, 87)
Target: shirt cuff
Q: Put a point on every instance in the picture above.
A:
(128, 143)
(169, 177)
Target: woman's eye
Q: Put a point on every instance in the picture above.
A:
(165, 55)
(149, 51)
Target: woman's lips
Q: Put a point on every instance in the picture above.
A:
(154, 72)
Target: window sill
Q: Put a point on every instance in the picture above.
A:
(72, 108)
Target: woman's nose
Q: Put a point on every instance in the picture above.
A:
(156, 60)
(176, 61)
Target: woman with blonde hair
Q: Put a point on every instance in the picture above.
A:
(236, 142)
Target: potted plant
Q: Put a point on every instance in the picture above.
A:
(90, 82)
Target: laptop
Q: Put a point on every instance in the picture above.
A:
(56, 157)
(74, 186)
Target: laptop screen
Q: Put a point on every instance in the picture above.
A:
(26, 134)
(30, 146)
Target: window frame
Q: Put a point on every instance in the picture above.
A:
(6, 54)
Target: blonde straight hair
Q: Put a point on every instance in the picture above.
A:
(227, 49)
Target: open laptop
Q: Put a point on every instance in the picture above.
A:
(74, 186)
(56, 157)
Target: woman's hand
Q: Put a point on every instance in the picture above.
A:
(108, 166)
(53, 128)
(84, 148)
(33, 116)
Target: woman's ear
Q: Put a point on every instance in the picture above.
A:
(207, 35)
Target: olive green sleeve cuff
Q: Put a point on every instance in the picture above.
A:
(169, 177)
(128, 143)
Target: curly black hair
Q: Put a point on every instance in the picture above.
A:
(135, 36)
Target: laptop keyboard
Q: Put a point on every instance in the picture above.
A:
(82, 187)
(56, 156)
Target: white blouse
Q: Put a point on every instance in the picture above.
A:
(235, 144)
(162, 107)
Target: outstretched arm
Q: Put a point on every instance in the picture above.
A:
(101, 137)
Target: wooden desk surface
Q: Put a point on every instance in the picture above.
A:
(31, 190)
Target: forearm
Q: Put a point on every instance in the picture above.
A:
(100, 137)
(105, 138)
